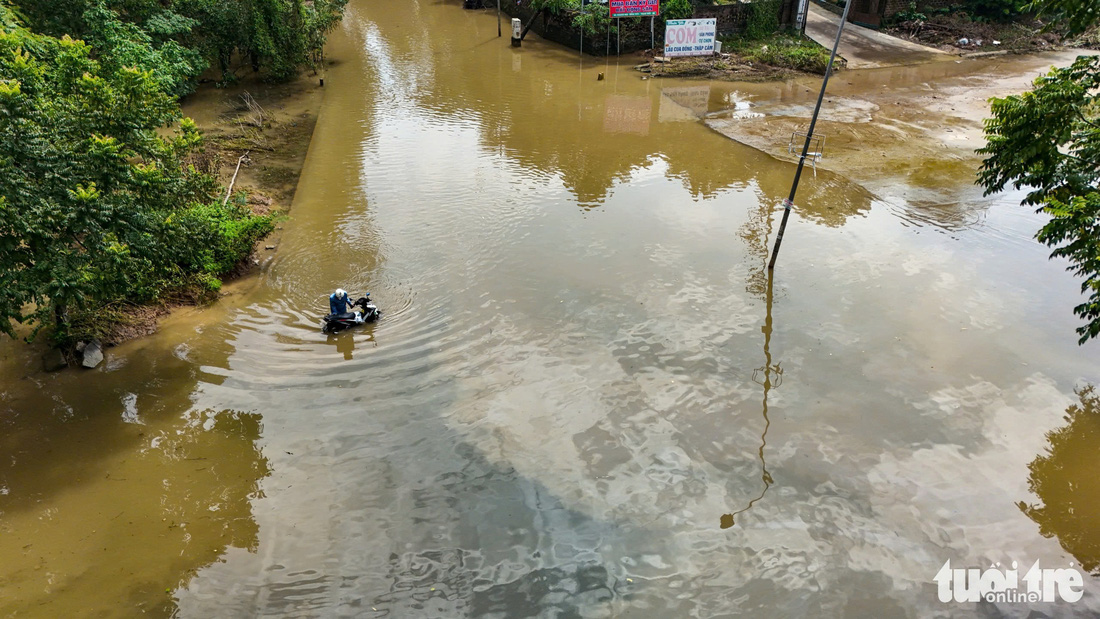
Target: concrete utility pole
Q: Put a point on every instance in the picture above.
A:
(789, 202)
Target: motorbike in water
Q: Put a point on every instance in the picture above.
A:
(369, 312)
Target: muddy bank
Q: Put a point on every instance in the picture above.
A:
(957, 33)
(728, 67)
(271, 123)
(271, 126)
(780, 56)
(904, 133)
(256, 137)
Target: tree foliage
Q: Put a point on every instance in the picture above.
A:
(1048, 140)
(95, 204)
(179, 39)
(1075, 15)
(677, 9)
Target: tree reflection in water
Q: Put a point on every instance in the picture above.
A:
(109, 517)
(1065, 481)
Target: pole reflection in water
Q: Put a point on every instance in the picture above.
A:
(772, 378)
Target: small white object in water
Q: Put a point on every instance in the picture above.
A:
(129, 408)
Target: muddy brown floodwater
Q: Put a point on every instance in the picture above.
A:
(584, 399)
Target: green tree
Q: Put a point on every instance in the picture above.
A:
(278, 36)
(677, 9)
(1076, 15)
(1048, 140)
(179, 39)
(95, 203)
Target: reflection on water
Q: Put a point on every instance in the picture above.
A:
(100, 516)
(1065, 482)
(344, 341)
(768, 376)
(623, 114)
(683, 103)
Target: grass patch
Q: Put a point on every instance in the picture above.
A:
(781, 50)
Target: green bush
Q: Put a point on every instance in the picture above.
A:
(677, 9)
(220, 236)
(996, 10)
(783, 50)
(763, 19)
(909, 14)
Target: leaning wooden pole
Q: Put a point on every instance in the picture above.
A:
(789, 202)
(234, 180)
(530, 23)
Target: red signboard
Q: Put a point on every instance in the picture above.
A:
(635, 8)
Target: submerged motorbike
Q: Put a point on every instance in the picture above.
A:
(369, 312)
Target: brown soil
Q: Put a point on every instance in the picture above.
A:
(138, 321)
(908, 134)
(946, 31)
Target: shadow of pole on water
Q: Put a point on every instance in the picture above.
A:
(769, 376)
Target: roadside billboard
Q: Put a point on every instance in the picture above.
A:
(634, 8)
(690, 37)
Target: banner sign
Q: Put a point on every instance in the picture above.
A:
(690, 37)
(635, 8)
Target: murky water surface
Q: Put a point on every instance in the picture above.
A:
(585, 398)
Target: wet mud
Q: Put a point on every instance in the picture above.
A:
(907, 134)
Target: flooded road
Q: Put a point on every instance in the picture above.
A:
(585, 397)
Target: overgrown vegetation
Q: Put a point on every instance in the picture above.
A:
(178, 39)
(677, 9)
(784, 50)
(99, 208)
(982, 11)
(1047, 140)
(594, 17)
(763, 20)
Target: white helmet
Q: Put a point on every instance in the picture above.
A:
(340, 292)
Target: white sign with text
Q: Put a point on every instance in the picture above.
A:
(690, 37)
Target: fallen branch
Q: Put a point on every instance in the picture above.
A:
(234, 179)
